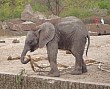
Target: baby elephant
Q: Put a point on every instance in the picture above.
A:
(69, 33)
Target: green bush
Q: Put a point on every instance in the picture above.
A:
(13, 8)
(40, 7)
(8, 13)
(78, 12)
(104, 4)
(5, 12)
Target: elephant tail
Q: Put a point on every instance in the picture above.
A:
(88, 36)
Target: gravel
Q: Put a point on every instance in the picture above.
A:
(98, 51)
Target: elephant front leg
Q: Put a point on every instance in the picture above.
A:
(52, 50)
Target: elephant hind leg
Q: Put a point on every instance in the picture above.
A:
(84, 67)
(77, 51)
(78, 66)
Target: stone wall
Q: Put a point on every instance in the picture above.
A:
(10, 81)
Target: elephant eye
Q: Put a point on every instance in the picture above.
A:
(33, 42)
(30, 42)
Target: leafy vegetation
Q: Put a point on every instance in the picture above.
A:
(103, 4)
(80, 8)
(11, 8)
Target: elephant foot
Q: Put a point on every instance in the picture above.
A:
(76, 72)
(79, 71)
(84, 69)
(68, 52)
(54, 74)
(50, 72)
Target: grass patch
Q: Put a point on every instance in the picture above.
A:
(78, 12)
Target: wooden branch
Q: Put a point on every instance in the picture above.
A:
(50, 7)
(100, 68)
(13, 58)
(33, 65)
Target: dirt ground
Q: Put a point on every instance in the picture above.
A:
(98, 51)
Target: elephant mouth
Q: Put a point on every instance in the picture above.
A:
(32, 49)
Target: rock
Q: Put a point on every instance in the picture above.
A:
(22, 26)
(8, 24)
(30, 20)
(28, 25)
(39, 15)
(29, 15)
(9, 58)
(12, 23)
(53, 19)
(102, 29)
(2, 41)
(13, 58)
(15, 41)
(4, 25)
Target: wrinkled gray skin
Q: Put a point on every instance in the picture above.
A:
(68, 34)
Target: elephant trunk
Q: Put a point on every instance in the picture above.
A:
(23, 61)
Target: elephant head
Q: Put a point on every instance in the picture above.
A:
(37, 39)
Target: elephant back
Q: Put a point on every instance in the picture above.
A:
(70, 24)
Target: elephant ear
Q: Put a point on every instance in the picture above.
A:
(47, 32)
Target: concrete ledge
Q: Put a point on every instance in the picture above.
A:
(11, 81)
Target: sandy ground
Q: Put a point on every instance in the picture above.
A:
(99, 51)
